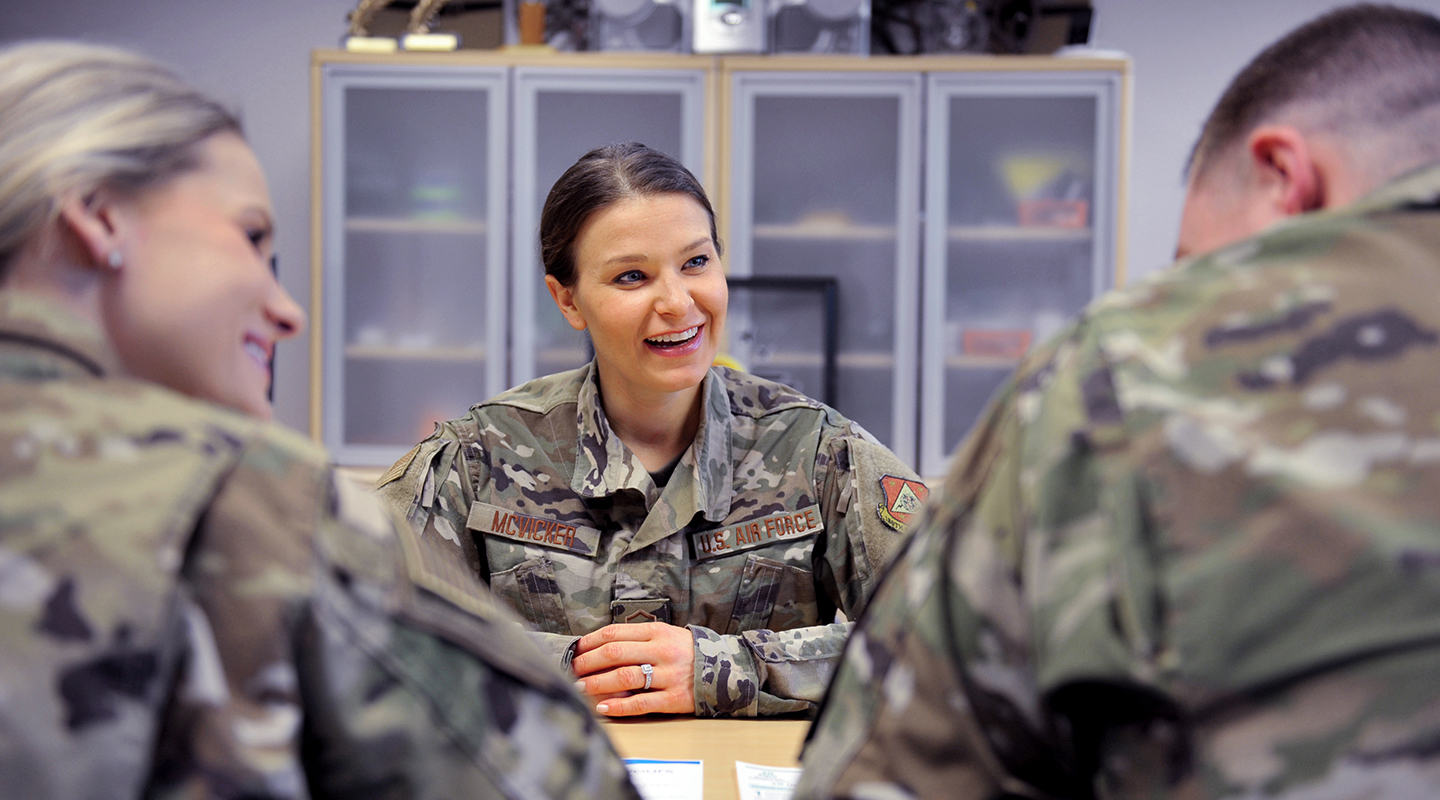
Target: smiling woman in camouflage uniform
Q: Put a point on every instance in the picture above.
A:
(191, 603)
(729, 517)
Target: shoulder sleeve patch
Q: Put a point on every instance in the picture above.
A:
(902, 500)
(440, 569)
(398, 468)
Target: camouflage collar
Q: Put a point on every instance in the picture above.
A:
(55, 340)
(1418, 187)
(701, 483)
(713, 463)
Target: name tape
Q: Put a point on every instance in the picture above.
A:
(528, 529)
(757, 533)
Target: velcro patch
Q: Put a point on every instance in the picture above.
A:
(398, 468)
(903, 499)
(647, 610)
(437, 566)
(526, 529)
(757, 533)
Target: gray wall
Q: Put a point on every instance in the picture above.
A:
(1184, 53)
(256, 54)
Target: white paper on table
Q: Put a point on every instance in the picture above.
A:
(759, 782)
(667, 780)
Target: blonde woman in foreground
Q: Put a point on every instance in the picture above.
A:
(190, 603)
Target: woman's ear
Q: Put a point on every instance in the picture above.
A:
(564, 297)
(91, 219)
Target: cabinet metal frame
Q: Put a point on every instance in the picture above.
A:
(747, 85)
(328, 290)
(1109, 89)
(692, 85)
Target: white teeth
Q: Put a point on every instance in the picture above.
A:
(672, 338)
(257, 352)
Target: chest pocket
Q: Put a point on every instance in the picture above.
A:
(531, 589)
(773, 596)
(527, 582)
(756, 575)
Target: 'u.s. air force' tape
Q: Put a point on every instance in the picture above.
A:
(757, 532)
(528, 529)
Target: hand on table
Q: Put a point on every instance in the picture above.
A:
(608, 665)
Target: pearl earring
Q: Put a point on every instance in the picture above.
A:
(115, 260)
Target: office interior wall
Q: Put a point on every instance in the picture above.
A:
(1185, 52)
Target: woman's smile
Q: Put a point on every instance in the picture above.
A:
(651, 292)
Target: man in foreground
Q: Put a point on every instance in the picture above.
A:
(1192, 548)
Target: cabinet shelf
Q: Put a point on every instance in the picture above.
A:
(463, 227)
(1016, 233)
(381, 352)
(816, 360)
(980, 362)
(562, 355)
(839, 231)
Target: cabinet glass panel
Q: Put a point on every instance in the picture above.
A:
(561, 114)
(1020, 240)
(826, 186)
(414, 249)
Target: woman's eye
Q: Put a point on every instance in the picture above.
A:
(697, 262)
(633, 276)
(256, 237)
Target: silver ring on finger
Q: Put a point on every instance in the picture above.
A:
(649, 673)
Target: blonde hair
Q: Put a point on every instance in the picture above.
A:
(76, 117)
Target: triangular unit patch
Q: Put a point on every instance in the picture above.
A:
(903, 500)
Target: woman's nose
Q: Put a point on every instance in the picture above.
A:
(284, 313)
(674, 298)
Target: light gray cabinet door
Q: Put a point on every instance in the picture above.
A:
(1021, 205)
(560, 114)
(413, 311)
(825, 183)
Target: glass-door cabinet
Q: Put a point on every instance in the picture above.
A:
(410, 313)
(898, 231)
(1021, 220)
(824, 183)
(560, 114)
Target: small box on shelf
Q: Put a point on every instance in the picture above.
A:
(1049, 212)
(995, 342)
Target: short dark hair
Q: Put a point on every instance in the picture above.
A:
(1364, 67)
(601, 178)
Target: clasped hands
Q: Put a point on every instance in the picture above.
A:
(607, 662)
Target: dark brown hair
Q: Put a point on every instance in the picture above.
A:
(1366, 69)
(601, 178)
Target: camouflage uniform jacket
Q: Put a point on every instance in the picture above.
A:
(192, 605)
(770, 523)
(1191, 550)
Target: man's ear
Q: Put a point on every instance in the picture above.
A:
(564, 297)
(90, 219)
(1286, 171)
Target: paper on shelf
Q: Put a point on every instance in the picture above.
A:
(759, 782)
(667, 780)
